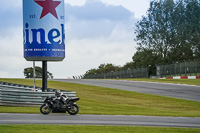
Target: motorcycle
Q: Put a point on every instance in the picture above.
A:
(60, 104)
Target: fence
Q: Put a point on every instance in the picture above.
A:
(191, 68)
(21, 95)
(179, 69)
(129, 73)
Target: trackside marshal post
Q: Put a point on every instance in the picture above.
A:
(44, 32)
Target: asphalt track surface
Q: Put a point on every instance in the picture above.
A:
(171, 90)
(189, 92)
(119, 120)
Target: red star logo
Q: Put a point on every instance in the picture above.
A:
(49, 6)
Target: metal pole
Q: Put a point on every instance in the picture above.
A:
(185, 68)
(44, 76)
(34, 75)
(175, 69)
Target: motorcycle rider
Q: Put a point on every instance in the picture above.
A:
(59, 95)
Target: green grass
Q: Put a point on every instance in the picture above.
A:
(175, 81)
(99, 100)
(90, 129)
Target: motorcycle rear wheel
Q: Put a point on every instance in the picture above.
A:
(73, 110)
(45, 109)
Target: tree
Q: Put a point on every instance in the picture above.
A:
(28, 73)
(155, 32)
(129, 65)
(103, 68)
(146, 58)
(170, 30)
(192, 14)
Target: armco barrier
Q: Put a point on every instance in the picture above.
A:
(11, 95)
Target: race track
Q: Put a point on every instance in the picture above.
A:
(189, 92)
(118, 120)
(171, 90)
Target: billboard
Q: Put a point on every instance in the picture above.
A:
(44, 30)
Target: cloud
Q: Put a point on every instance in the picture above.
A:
(10, 4)
(75, 2)
(10, 19)
(84, 54)
(96, 33)
(96, 10)
(96, 19)
(137, 6)
(11, 54)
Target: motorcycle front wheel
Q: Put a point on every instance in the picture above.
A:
(73, 110)
(45, 109)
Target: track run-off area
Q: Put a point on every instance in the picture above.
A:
(182, 91)
(189, 92)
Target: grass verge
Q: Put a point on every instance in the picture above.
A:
(175, 81)
(90, 129)
(99, 100)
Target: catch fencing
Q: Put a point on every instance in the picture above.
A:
(22, 95)
(179, 69)
(129, 73)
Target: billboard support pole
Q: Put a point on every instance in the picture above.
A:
(34, 75)
(44, 76)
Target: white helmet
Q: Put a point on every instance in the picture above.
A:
(57, 93)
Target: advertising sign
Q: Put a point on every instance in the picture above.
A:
(44, 30)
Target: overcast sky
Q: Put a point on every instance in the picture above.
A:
(97, 32)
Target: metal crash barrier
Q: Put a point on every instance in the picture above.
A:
(22, 95)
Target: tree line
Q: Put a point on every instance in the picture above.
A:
(28, 73)
(168, 33)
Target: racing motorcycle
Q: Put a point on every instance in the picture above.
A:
(59, 104)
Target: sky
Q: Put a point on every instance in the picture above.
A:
(97, 32)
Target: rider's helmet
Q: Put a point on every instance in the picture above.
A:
(57, 93)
